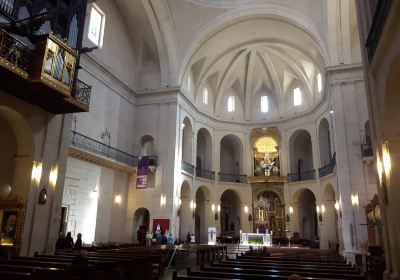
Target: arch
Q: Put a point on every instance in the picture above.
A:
(187, 141)
(231, 155)
(201, 212)
(330, 229)
(301, 157)
(141, 223)
(147, 146)
(324, 141)
(16, 154)
(230, 213)
(306, 221)
(184, 211)
(204, 149)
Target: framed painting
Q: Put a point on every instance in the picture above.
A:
(12, 217)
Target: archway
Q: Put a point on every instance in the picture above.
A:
(204, 150)
(301, 156)
(230, 213)
(16, 154)
(187, 141)
(305, 215)
(147, 146)
(185, 213)
(324, 143)
(231, 159)
(141, 222)
(329, 235)
(201, 213)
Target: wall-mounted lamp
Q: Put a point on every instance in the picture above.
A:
(163, 200)
(354, 199)
(246, 209)
(53, 176)
(213, 207)
(379, 168)
(323, 209)
(183, 125)
(386, 158)
(317, 208)
(37, 172)
(219, 208)
(337, 206)
(117, 199)
(290, 209)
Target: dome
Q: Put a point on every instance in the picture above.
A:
(248, 62)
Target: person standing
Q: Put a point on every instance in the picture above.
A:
(69, 241)
(60, 243)
(78, 243)
(188, 238)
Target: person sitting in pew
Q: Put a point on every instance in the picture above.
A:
(251, 251)
(264, 252)
(78, 243)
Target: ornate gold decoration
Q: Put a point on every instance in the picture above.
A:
(267, 145)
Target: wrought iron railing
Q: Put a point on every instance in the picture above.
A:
(88, 144)
(15, 52)
(206, 174)
(366, 150)
(234, 178)
(188, 168)
(378, 23)
(6, 7)
(327, 169)
(302, 176)
(81, 92)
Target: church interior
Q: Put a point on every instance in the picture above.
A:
(149, 129)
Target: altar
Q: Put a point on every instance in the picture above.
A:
(256, 239)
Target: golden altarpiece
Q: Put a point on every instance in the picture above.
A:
(267, 185)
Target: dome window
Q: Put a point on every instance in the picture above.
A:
(319, 82)
(231, 104)
(297, 97)
(264, 104)
(205, 95)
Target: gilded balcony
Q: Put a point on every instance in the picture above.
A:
(43, 75)
(267, 179)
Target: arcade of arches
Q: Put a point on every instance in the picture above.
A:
(247, 116)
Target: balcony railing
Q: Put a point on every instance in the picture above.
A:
(367, 151)
(88, 144)
(206, 174)
(188, 168)
(81, 92)
(378, 23)
(302, 176)
(234, 178)
(14, 54)
(47, 73)
(328, 169)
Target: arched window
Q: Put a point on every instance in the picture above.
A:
(96, 26)
(264, 104)
(231, 104)
(319, 82)
(297, 97)
(205, 95)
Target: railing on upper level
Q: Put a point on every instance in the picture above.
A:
(88, 144)
(367, 151)
(302, 176)
(187, 167)
(378, 23)
(206, 174)
(14, 54)
(328, 169)
(234, 178)
(43, 75)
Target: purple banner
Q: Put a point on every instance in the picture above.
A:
(142, 169)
